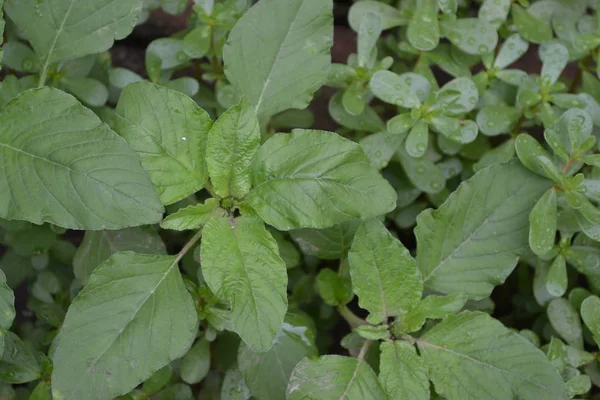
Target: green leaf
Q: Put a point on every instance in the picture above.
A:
(18, 363)
(369, 30)
(511, 49)
(580, 384)
(457, 97)
(197, 42)
(289, 67)
(113, 337)
(384, 275)
(557, 280)
(472, 356)
(433, 307)
(565, 321)
(554, 58)
(195, 365)
(422, 173)
(334, 377)
(380, 147)
(20, 57)
(353, 98)
(241, 264)
(474, 240)
(407, 90)
(192, 217)
(590, 313)
(7, 309)
(267, 374)
(90, 91)
(533, 156)
(297, 177)
(569, 133)
(234, 386)
(158, 380)
(368, 121)
(371, 332)
(542, 223)
(334, 288)
(497, 119)
(328, 243)
(423, 30)
(81, 175)
(169, 131)
(403, 373)
(532, 29)
(471, 35)
(67, 29)
(164, 54)
(98, 246)
(494, 11)
(232, 142)
(390, 16)
(417, 139)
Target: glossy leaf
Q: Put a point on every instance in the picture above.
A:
(530, 28)
(554, 58)
(565, 321)
(390, 16)
(542, 223)
(80, 174)
(288, 68)
(497, 119)
(241, 264)
(423, 30)
(557, 279)
(471, 35)
(195, 365)
(406, 90)
(590, 313)
(114, 338)
(494, 11)
(417, 139)
(312, 168)
(511, 49)
(369, 30)
(384, 275)
(473, 241)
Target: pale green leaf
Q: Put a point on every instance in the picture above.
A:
(533, 156)
(554, 58)
(390, 16)
(542, 223)
(90, 91)
(165, 53)
(241, 264)
(423, 30)
(267, 374)
(471, 35)
(353, 98)
(7, 309)
(66, 29)
(474, 240)
(368, 121)
(407, 90)
(113, 337)
(316, 179)
(417, 140)
(511, 49)
(158, 380)
(494, 11)
(422, 173)
(62, 165)
(557, 280)
(195, 365)
(334, 377)
(565, 321)
(328, 243)
(98, 246)
(169, 131)
(590, 313)
(380, 147)
(402, 372)
(192, 217)
(497, 119)
(384, 275)
(433, 307)
(232, 142)
(530, 28)
(458, 96)
(334, 288)
(373, 332)
(369, 30)
(288, 68)
(472, 356)
(18, 363)
(234, 386)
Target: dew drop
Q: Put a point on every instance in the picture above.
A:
(378, 154)
(483, 48)
(421, 170)
(471, 40)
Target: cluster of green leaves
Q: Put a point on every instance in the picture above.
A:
(443, 243)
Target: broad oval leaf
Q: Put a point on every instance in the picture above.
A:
(472, 356)
(232, 142)
(113, 337)
(473, 241)
(267, 374)
(316, 179)
(62, 165)
(384, 275)
(403, 373)
(66, 29)
(98, 246)
(289, 67)
(169, 131)
(334, 377)
(471, 35)
(241, 264)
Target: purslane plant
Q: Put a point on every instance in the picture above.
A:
(193, 236)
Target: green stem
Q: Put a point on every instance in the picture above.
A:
(352, 319)
(188, 246)
(43, 76)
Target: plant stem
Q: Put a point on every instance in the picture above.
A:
(43, 76)
(518, 125)
(215, 60)
(568, 165)
(352, 319)
(363, 350)
(188, 245)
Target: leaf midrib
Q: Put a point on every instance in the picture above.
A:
(55, 40)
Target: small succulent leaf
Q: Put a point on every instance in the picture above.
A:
(494, 12)
(557, 279)
(368, 121)
(529, 27)
(554, 58)
(542, 223)
(494, 120)
(417, 139)
(565, 321)
(407, 90)
(533, 156)
(590, 313)
(369, 30)
(458, 96)
(511, 49)
(353, 98)
(423, 29)
(471, 35)
(390, 16)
